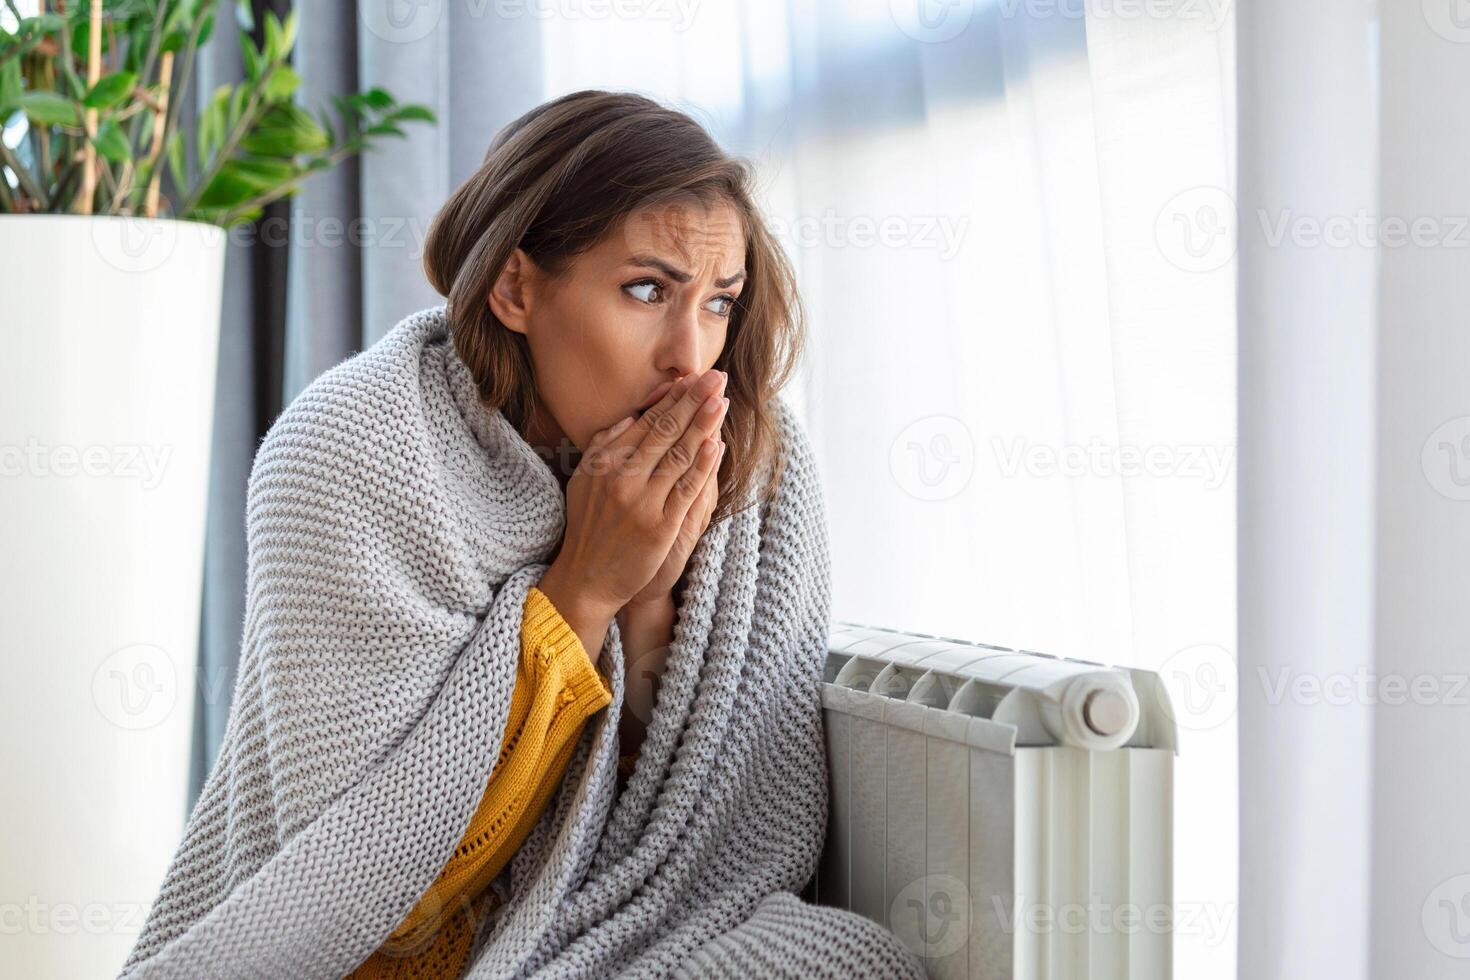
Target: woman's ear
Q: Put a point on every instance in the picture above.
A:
(513, 291)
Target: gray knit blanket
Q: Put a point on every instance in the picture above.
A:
(394, 526)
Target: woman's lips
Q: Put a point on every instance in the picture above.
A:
(654, 397)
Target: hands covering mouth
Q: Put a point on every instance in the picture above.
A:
(653, 398)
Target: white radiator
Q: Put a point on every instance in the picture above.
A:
(1008, 814)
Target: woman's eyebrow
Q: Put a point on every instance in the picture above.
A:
(654, 262)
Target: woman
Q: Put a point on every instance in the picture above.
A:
(420, 775)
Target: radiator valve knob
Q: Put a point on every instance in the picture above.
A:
(1106, 712)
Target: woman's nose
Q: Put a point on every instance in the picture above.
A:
(682, 348)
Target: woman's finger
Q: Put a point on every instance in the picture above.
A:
(690, 484)
(603, 436)
(712, 485)
(684, 423)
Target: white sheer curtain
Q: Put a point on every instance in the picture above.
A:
(1006, 218)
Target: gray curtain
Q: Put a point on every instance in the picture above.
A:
(328, 272)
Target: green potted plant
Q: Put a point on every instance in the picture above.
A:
(112, 243)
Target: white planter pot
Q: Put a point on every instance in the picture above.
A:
(110, 330)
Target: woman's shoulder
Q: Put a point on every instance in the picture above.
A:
(358, 418)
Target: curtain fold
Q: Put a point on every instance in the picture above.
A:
(1355, 512)
(1307, 150)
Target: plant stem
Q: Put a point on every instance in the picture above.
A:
(155, 36)
(68, 70)
(237, 133)
(94, 72)
(27, 182)
(150, 201)
(20, 38)
(205, 9)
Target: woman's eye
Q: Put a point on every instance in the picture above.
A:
(645, 290)
(647, 284)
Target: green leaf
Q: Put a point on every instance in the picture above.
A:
(282, 85)
(377, 98)
(111, 143)
(226, 189)
(284, 130)
(110, 90)
(30, 32)
(206, 30)
(237, 105)
(251, 57)
(322, 116)
(410, 113)
(137, 41)
(272, 46)
(174, 150)
(10, 88)
(177, 19)
(288, 32)
(350, 117)
(384, 129)
(46, 108)
(265, 173)
(44, 24)
(173, 41)
(212, 124)
(79, 33)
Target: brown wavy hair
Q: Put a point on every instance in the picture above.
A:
(554, 182)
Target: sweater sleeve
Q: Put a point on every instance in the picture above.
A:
(557, 689)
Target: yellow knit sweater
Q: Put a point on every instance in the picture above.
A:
(557, 689)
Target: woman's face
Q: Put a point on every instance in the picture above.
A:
(648, 304)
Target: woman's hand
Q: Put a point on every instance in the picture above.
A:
(661, 588)
(630, 499)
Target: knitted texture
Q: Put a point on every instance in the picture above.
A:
(557, 690)
(394, 528)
